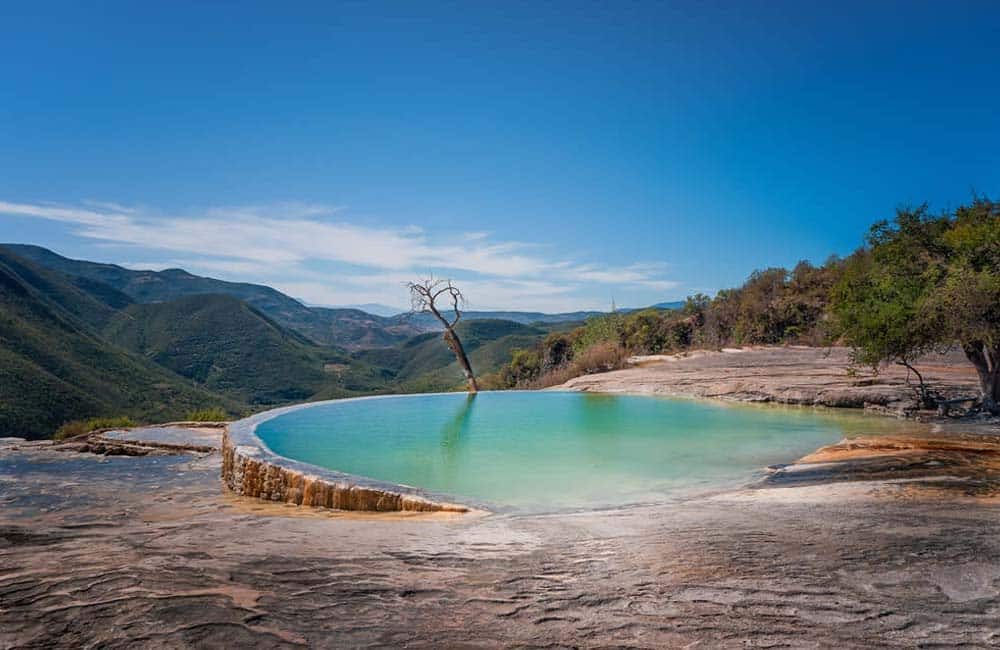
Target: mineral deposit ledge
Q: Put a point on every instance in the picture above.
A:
(250, 469)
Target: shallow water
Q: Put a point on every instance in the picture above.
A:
(544, 451)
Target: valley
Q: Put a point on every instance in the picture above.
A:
(84, 339)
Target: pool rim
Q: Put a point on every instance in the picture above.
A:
(241, 440)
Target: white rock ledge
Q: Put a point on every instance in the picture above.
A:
(250, 469)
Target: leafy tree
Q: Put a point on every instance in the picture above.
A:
(923, 283)
(523, 369)
(645, 332)
(557, 350)
(696, 305)
(760, 319)
(600, 329)
(966, 304)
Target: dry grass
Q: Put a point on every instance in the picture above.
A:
(599, 357)
(80, 427)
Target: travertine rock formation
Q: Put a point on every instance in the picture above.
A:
(785, 375)
(247, 473)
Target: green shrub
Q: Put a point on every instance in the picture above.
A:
(80, 427)
(774, 306)
(607, 328)
(557, 350)
(523, 368)
(599, 357)
(214, 414)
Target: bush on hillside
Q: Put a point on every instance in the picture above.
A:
(80, 427)
(527, 369)
(774, 306)
(214, 414)
(600, 357)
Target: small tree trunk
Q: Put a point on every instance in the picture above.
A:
(991, 393)
(456, 346)
(422, 297)
(985, 360)
(923, 395)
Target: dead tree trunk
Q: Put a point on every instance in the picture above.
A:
(986, 360)
(451, 338)
(423, 297)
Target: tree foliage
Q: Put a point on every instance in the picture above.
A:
(773, 306)
(926, 282)
(923, 282)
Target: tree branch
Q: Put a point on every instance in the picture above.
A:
(423, 299)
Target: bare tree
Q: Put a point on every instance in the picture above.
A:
(423, 299)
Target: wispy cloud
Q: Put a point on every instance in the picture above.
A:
(484, 294)
(279, 243)
(75, 215)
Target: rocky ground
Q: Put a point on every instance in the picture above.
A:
(789, 375)
(149, 551)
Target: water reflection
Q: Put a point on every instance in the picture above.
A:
(454, 432)
(542, 451)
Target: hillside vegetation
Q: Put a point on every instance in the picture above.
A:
(773, 306)
(922, 283)
(424, 363)
(55, 368)
(350, 329)
(74, 348)
(225, 345)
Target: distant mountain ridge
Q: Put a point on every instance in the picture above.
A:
(348, 328)
(375, 308)
(54, 367)
(675, 304)
(427, 322)
(225, 345)
(157, 345)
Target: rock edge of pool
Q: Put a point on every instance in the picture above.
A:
(253, 467)
(250, 469)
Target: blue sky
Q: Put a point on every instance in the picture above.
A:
(546, 155)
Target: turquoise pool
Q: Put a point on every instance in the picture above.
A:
(546, 451)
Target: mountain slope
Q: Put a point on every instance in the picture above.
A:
(675, 304)
(427, 322)
(72, 346)
(375, 308)
(349, 328)
(354, 329)
(226, 345)
(166, 285)
(54, 368)
(424, 362)
(85, 302)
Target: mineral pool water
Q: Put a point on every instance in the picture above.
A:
(550, 451)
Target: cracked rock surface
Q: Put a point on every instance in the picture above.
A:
(150, 551)
(787, 375)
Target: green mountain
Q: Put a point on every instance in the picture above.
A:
(80, 339)
(424, 362)
(347, 328)
(427, 322)
(227, 346)
(55, 368)
(354, 329)
(163, 286)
